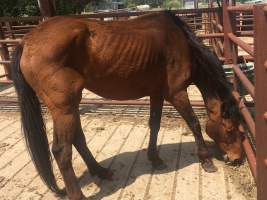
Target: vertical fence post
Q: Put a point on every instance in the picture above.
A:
(195, 4)
(47, 8)
(260, 42)
(4, 54)
(226, 29)
(230, 49)
(9, 29)
(229, 26)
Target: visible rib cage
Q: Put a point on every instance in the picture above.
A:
(133, 51)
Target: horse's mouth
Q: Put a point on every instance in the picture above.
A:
(235, 162)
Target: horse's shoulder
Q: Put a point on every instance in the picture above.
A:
(58, 28)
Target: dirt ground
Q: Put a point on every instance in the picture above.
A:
(118, 137)
(244, 183)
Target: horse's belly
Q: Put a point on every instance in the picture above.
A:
(121, 89)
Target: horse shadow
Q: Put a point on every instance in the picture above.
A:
(4, 86)
(128, 166)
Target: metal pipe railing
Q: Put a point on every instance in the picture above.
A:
(241, 44)
(8, 41)
(242, 77)
(251, 156)
(230, 36)
(248, 119)
(243, 7)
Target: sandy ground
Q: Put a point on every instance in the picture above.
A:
(118, 137)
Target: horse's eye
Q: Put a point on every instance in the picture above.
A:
(243, 137)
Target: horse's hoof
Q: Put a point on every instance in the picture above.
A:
(208, 166)
(158, 164)
(103, 173)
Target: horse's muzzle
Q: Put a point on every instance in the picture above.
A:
(236, 162)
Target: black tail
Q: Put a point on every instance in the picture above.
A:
(208, 73)
(32, 124)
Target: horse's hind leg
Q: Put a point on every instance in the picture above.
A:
(156, 104)
(62, 92)
(92, 165)
(65, 127)
(182, 104)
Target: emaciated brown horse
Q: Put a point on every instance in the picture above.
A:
(155, 55)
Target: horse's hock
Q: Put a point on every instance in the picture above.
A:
(117, 133)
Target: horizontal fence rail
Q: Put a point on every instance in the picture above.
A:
(257, 127)
(220, 28)
(232, 42)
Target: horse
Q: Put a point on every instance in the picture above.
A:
(154, 55)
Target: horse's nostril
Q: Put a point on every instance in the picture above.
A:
(231, 162)
(236, 162)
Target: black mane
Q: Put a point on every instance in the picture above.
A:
(208, 73)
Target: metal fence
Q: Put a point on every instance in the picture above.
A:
(257, 51)
(219, 28)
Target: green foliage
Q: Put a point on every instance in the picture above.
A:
(93, 5)
(19, 7)
(31, 8)
(64, 7)
(172, 4)
(134, 3)
(130, 3)
(90, 7)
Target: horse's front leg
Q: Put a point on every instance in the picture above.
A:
(182, 104)
(156, 104)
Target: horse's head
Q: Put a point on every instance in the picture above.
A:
(225, 130)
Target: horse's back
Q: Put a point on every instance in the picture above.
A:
(127, 59)
(118, 59)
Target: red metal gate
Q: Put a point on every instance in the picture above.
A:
(225, 41)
